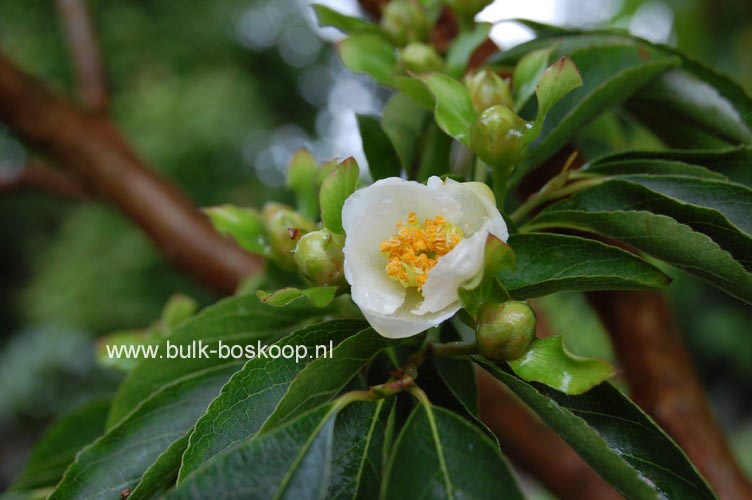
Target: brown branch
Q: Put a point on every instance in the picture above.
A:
(84, 51)
(373, 8)
(664, 383)
(35, 176)
(89, 147)
(535, 447)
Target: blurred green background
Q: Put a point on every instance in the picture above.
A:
(216, 96)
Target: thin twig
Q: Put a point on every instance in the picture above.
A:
(90, 148)
(85, 54)
(35, 176)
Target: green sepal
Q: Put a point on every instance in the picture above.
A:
(454, 111)
(558, 80)
(178, 308)
(370, 54)
(486, 287)
(347, 24)
(123, 338)
(301, 175)
(245, 225)
(338, 185)
(526, 75)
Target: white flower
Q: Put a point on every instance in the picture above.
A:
(409, 247)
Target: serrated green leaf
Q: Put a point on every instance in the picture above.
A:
(712, 122)
(292, 462)
(459, 377)
(662, 237)
(59, 444)
(720, 209)
(370, 54)
(547, 361)
(733, 163)
(267, 392)
(444, 454)
(301, 175)
(237, 320)
(383, 160)
(717, 208)
(526, 75)
(733, 201)
(454, 110)
(550, 263)
(244, 225)
(672, 129)
(693, 104)
(120, 457)
(403, 121)
(341, 182)
(326, 376)
(332, 450)
(320, 296)
(651, 167)
(620, 442)
(163, 473)
(346, 24)
(357, 454)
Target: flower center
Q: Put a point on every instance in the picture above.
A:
(416, 248)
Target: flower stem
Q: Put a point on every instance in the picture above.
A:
(481, 168)
(499, 177)
(349, 397)
(421, 396)
(547, 194)
(454, 349)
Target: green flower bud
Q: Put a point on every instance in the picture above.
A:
(421, 58)
(504, 331)
(405, 21)
(320, 258)
(496, 136)
(285, 227)
(486, 89)
(467, 8)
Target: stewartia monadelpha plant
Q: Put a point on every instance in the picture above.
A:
(423, 270)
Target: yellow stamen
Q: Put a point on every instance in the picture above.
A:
(417, 248)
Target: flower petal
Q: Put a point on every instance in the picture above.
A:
(452, 271)
(370, 217)
(403, 323)
(478, 206)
